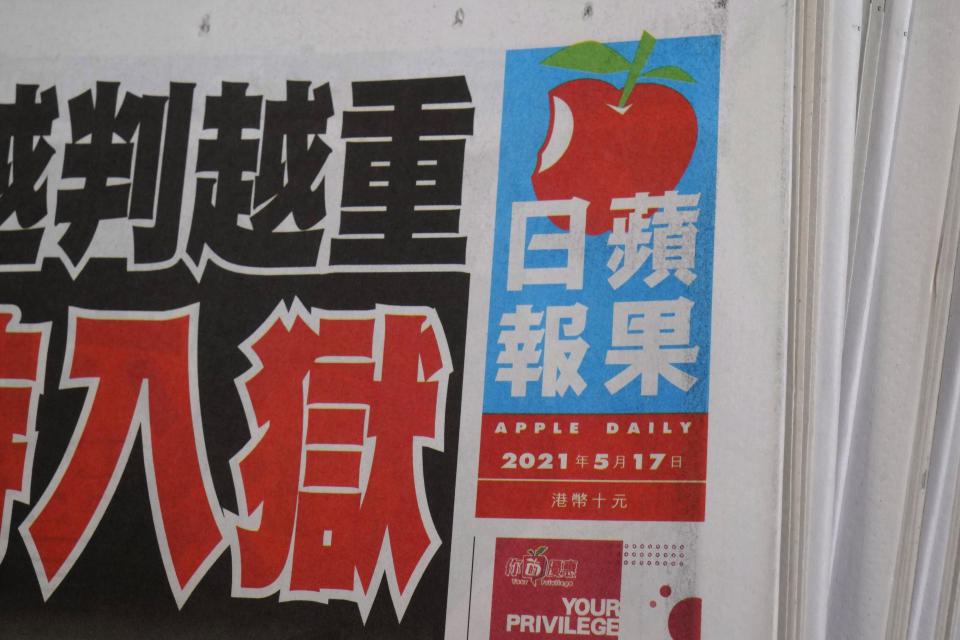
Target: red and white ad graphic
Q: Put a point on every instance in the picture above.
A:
(556, 588)
(593, 466)
(661, 591)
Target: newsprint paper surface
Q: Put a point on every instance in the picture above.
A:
(475, 331)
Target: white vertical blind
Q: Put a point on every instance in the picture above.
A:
(881, 470)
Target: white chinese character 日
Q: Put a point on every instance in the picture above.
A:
(570, 241)
(653, 337)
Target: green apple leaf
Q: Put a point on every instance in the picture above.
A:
(590, 56)
(644, 49)
(541, 550)
(669, 73)
(595, 57)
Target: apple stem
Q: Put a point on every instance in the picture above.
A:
(644, 48)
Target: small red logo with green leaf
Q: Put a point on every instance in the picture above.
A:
(535, 564)
(604, 142)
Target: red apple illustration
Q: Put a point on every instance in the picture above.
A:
(606, 143)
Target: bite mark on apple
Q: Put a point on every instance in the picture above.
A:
(560, 134)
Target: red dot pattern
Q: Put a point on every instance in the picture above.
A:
(654, 555)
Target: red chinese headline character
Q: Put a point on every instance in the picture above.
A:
(330, 488)
(23, 353)
(141, 375)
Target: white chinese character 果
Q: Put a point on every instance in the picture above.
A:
(650, 338)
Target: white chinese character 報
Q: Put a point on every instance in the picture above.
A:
(521, 339)
(563, 350)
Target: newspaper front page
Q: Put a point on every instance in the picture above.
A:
(474, 339)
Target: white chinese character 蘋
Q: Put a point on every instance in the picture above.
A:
(674, 237)
(631, 236)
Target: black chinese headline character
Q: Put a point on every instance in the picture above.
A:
(403, 173)
(281, 188)
(20, 122)
(102, 159)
